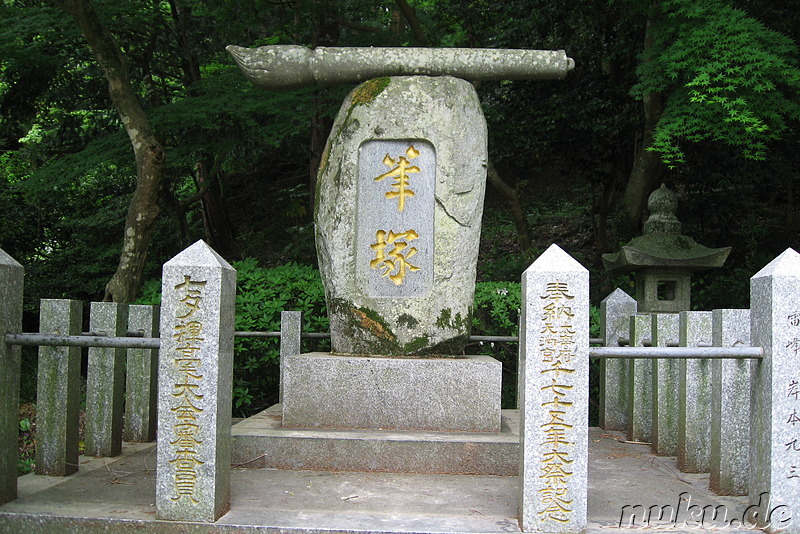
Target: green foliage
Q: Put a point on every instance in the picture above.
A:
(27, 459)
(496, 310)
(496, 313)
(261, 296)
(725, 75)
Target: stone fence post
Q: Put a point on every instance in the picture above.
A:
(640, 382)
(730, 406)
(775, 413)
(665, 387)
(195, 376)
(694, 395)
(105, 381)
(291, 340)
(615, 312)
(141, 379)
(554, 378)
(11, 280)
(58, 392)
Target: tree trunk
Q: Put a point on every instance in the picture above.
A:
(410, 14)
(647, 166)
(517, 214)
(144, 208)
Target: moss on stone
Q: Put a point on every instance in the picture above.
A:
(415, 345)
(446, 320)
(367, 91)
(449, 347)
(363, 95)
(443, 321)
(407, 321)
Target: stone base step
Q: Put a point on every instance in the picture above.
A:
(260, 441)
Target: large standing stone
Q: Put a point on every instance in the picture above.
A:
(58, 390)
(554, 373)
(615, 323)
(398, 213)
(775, 408)
(11, 279)
(195, 381)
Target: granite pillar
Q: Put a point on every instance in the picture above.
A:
(775, 400)
(730, 405)
(105, 381)
(615, 313)
(665, 387)
(291, 341)
(141, 384)
(11, 281)
(554, 371)
(58, 393)
(195, 378)
(640, 382)
(694, 395)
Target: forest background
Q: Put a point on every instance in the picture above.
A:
(127, 133)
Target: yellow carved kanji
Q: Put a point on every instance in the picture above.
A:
(400, 172)
(394, 262)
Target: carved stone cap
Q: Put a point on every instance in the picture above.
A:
(663, 245)
(663, 204)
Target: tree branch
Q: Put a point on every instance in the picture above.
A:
(410, 15)
(354, 25)
(512, 198)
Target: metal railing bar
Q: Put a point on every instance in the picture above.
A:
(132, 342)
(55, 340)
(129, 333)
(678, 352)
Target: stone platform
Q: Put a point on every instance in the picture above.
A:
(118, 495)
(261, 441)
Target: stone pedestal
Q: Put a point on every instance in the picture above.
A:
(324, 390)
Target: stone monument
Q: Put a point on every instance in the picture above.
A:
(398, 211)
(664, 259)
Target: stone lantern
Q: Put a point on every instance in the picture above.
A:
(664, 259)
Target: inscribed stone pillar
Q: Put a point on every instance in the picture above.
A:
(142, 377)
(105, 381)
(775, 407)
(694, 395)
(195, 376)
(554, 373)
(615, 313)
(665, 386)
(398, 214)
(11, 280)
(640, 382)
(58, 390)
(730, 405)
